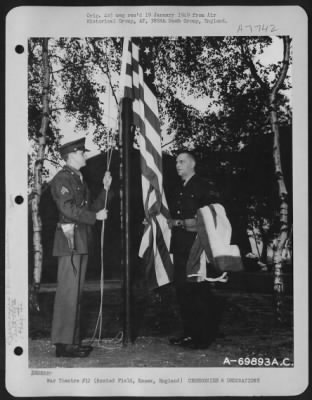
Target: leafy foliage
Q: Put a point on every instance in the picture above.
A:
(208, 98)
(79, 70)
(207, 95)
(215, 74)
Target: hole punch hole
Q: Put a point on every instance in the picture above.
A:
(18, 351)
(19, 199)
(19, 49)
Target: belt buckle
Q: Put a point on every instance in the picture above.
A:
(180, 223)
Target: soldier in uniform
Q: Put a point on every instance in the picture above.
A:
(71, 244)
(195, 299)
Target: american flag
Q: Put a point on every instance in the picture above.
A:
(154, 248)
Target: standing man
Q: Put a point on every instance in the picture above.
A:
(71, 245)
(195, 299)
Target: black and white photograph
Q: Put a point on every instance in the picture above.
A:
(159, 211)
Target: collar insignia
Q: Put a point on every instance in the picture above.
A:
(64, 190)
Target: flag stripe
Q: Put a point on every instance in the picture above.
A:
(155, 242)
(156, 258)
(150, 170)
(128, 93)
(149, 259)
(133, 67)
(150, 148)
(150, 127)
(162, 246)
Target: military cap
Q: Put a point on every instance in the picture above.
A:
(71, 147)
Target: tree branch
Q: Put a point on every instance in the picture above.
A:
(166, 144)
(57, 109)
(71, 66)
(107, 73)
(283, 72)
(251, 66)
(52, 161)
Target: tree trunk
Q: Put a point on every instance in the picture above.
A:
(278, 172)
(283, 213)
(282, 191)
(37, 186)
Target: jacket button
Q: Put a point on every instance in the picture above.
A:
(179, 212)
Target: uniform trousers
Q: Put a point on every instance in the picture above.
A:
(197, 304)
(66, 314)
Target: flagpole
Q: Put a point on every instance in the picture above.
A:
(125, 146)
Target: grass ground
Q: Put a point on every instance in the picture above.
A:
(248, 329)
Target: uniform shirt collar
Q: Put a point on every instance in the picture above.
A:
(185, 182)
(72, 169)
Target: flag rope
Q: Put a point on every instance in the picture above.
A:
(99, 322)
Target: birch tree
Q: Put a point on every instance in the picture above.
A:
(37, 186)
(271, 93)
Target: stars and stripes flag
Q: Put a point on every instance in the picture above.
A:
(154, 248)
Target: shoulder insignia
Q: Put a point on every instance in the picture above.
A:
(64, 190)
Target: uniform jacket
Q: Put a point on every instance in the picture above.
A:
(72, 198)
(188, 198)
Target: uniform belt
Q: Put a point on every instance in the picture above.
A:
(189, 224)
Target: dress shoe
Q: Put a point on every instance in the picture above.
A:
(180, 341)
(70, 350)
(86, 347)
